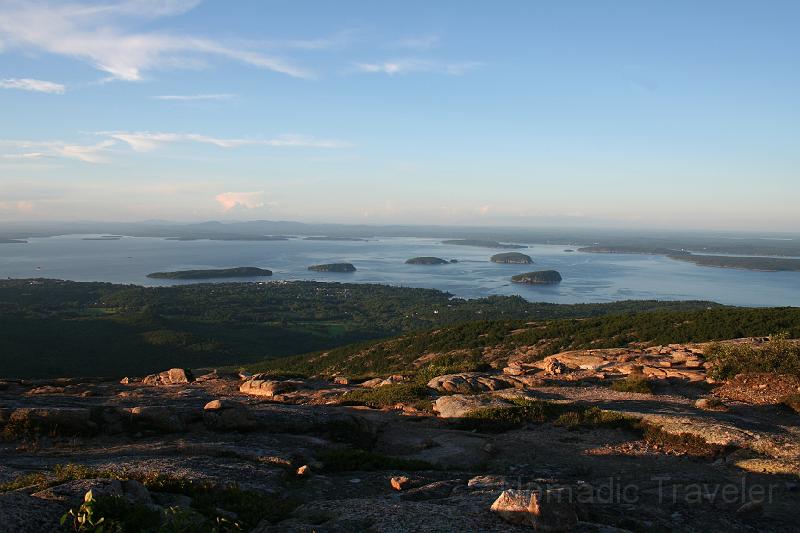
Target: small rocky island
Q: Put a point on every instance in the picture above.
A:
(429, 261)
(333, 267)
(238, 272)
(481, 243)
(542, 277)
(512, 258)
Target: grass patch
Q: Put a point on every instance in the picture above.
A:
(633, 384)
(521, 412)
(594, 417)
(348, 459)
(777, 356)
(388, 395)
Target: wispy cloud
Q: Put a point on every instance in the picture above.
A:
(411, 65)
(148, 141)
(248, 200)
(417, 42)
(88, 153)
(94, 33)
(28, 84)
(194, 97)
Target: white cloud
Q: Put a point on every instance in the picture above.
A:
(93, 33)
(248, 200)
(148, 141)
(91, 153)
(408, 65)
(28, 84)
(194, 97)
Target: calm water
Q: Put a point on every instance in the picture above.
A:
(587, 277)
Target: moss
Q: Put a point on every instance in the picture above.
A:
(347, 459)
(633, 384)
(388, 395)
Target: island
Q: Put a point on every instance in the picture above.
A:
(103, 238)
(333, 267)
(569, 250)
(344, 239)
(759, 264)
(229, 238)
(13, 241)
(512, 258)
(238, 272)
(624, 249)
(483, 243)
(425, 260)
(542, 277)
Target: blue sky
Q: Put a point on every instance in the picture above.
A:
(677, 114)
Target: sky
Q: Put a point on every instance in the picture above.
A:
(640, 113)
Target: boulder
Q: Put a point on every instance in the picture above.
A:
(548, 510)
(399, 482)
(267, 388)
(226, 415)
(458, 405)
(173, 376)
(48, 420)
(471, 383)
(159, 418)
(555, 367)
(373, 383)
(432, 491)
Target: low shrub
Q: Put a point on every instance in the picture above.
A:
(793, 402)
(594, 417)
(633, 383)
(778, 356)
(388, 395)
(504, 418)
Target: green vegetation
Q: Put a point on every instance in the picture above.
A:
(632, 249)
(633, 383)
(498, 419)
(117, 514)
(515, 258)
(763, 264)
(427, 261)
(594, 417)
(552, 336)
(57, 328)
(482, 243)
(349, 459)
(333, 267)
(778, 355)
(238, 272)
(390, 395)
(541, 277)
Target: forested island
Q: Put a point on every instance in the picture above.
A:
(541, 277)
(325, 238)
(429, 261)
(333, 267)
(483, 243)
(513, 258)
(238, 272)
(644, 250)
(761, 264)
(13, 241)
(229, 238)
